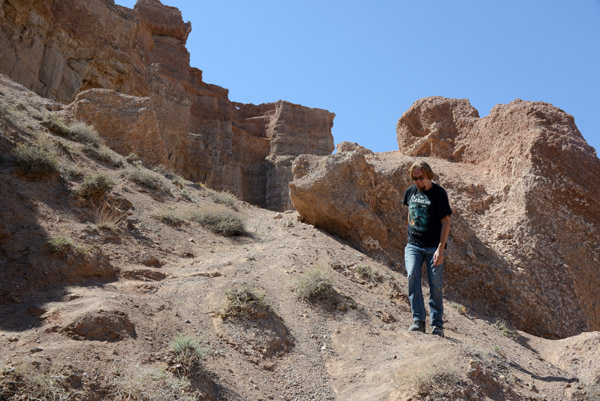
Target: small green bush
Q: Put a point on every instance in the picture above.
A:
(59, 245)
(94, 186)
(35, 161)
(187, 354)
(186, 344)
(314, 284)
(220, 220)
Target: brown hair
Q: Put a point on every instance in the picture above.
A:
(425, 168)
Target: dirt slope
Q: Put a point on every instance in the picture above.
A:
(92, 302)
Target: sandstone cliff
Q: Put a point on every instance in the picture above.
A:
(524, 186)
(60, 49)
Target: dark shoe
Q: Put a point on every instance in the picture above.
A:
(438, 331)
(417, 326)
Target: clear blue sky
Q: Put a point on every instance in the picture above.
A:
(369, 61)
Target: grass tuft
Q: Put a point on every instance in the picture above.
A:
(313, 285)
(59, 245)
(187, 355)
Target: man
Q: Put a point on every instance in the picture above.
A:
(428, 228)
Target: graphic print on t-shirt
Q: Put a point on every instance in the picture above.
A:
(419, 212)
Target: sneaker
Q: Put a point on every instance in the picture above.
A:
(417, 326)
(438, 331)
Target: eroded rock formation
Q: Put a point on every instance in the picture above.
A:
(524, 186)
(62, 48)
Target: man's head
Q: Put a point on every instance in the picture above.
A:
(421, 174)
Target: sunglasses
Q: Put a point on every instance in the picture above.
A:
(419, 178)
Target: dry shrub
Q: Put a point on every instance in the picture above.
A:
(220, 220)
(103, 154)
(502, 325)
(170, 217)
(168, 174)
(77, 131)
(223, 198)
(35, 161)
(367, 272)
(313, 285)
(133, 158)
(187, 355)
(244, 302)
(108, 217)
(145, 383)
(144, 177)
(459, 307)
(42, 383)
(432, 375)
(590, 392)
(94, 186)
(61, 148)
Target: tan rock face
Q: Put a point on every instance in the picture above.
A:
(128, 123)
(524, 187)
(59, 49)
(431, 127)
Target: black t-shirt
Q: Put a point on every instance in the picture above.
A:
(426, 209)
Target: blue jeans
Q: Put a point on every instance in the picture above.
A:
(414, 257)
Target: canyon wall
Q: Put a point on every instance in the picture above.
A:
(62, 49)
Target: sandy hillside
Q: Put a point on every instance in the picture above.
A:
(116, 286)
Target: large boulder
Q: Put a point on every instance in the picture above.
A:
(432, 127)
(525, 189)
(127, 123)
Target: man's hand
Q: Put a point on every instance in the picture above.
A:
(438, 257)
